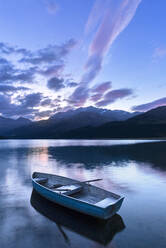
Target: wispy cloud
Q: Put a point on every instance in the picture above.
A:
(150, 105)
(79, 97)
(96, 15)
(49, 54)
(114, 20)
(55, 83)
(26, 106)
(111, 19)
(12, 89)
(9, 74)
(43, 114)
(44, 67)
(113, 96)
(52, 6)
(99, 90)
(54, 70)
(102, 88)
(159, 52)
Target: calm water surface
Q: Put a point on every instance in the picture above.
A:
(134, 169)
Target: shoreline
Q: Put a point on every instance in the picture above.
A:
(162, 139)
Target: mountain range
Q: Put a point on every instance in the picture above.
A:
(61, 122)
(8, 124)
(89, 123)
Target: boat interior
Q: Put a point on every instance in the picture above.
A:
(82, 191)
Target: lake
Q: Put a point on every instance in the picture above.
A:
(134, 169)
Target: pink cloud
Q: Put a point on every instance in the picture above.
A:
(159, 52)
(114, 20)
(111, 19)
(96, 14)
(113, 96)
(103, 87)
(150, 105)
(52, 71)
(96, 97)
(52, 6)
(79, 96)
(99, 90)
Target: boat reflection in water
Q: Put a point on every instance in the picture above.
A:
(101, 231)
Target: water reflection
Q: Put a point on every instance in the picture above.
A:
(92, 156)
(99, 231)
(136, 171)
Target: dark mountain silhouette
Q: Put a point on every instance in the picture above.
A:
(146, 125)
(121, 130)
(64, 122)
(155, 116)
(93, 123)
(7, 124)
(93, 116)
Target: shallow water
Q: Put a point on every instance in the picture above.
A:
(134, 169)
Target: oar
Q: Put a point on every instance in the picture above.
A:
(63, 234)
(87, 181)
(62, 189)
(93, 180)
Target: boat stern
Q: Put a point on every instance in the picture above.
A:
(113, 209)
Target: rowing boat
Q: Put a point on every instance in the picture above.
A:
(100, 231)
(76, 195)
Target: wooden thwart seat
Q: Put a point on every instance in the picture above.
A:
(105, 202)
(55, 186)
(69, 189)
(41, 180)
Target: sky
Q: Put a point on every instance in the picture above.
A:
(57, 55)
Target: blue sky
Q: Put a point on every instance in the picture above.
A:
(57, 55)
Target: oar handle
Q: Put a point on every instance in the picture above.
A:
(87, 181)
(62, 189)
(93, 180)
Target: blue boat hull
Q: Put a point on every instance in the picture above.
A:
(72, 203)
